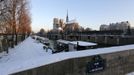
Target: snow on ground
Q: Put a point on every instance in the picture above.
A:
(22, 54)
(30, 54)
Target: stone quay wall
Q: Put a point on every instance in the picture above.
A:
(117, 63)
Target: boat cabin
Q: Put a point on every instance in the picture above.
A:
(80, 45)
(63, 45)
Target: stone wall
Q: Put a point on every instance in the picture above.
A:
(118, 63)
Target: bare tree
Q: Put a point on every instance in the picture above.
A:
(24, 19)
(16, 17)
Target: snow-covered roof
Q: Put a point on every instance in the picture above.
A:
(42, 38)
(30, 54)
(71, 21)
(63, 41)
(83, 43)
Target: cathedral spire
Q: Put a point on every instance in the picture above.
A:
(67, 18)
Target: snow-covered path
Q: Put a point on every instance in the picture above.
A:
(21, 55)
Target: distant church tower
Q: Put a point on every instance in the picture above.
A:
(67, 18)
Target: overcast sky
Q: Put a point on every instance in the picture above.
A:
(88, 13)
